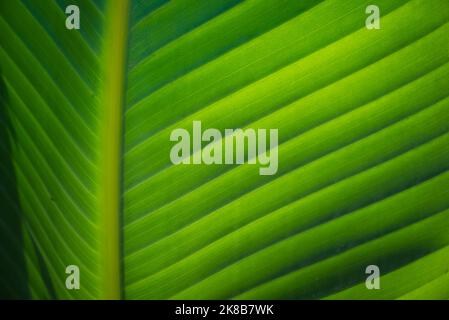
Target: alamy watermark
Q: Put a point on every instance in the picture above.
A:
(73, 20)
(72, 281)
(373, 280)
(227, 148)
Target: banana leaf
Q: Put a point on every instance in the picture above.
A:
(86, 178)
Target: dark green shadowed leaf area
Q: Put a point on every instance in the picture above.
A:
(87, 180)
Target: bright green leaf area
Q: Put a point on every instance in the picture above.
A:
(86, 177)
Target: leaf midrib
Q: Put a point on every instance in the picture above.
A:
(111, 110)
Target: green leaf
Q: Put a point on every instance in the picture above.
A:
(62, 93)
(86, 176)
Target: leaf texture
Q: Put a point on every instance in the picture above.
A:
(363, 120)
